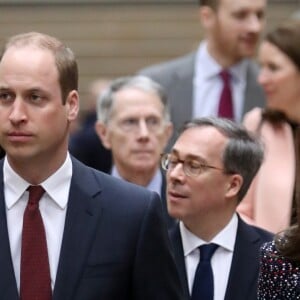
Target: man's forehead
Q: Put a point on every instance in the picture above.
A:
(201, 138)
(237, 5)
(27, 55)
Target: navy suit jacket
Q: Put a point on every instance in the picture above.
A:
(87, 147)
(115, 243)
(171, 222)
(243, 276)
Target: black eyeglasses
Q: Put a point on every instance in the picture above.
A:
(191, 167)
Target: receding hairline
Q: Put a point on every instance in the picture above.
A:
(40, 40)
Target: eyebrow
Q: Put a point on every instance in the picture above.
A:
(4, 88)
(190, 156)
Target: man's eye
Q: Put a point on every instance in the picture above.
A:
(153, 121)
(173, 161)
(5, 96)
(240, 15)
(194, 165)
(36, 98)
(260, 15)
(129, 122)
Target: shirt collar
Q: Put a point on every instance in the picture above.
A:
(204, 61)
(154, 185)
(225, 238)
(56, 185)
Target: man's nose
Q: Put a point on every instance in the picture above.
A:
(18, 111)
(255, 23)
(143, 128)
(177, 172)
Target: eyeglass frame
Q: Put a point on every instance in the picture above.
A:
(202, 166)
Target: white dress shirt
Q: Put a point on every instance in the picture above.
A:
(154, 185)
(53, 207)
(208, 85)
(220, 261)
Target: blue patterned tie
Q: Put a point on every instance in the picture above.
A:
(203, 287)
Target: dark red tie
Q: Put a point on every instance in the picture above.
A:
(35, 273)
(226, 104)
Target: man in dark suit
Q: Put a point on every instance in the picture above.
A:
(84, 143)
(98, 237)
(209, 170)
(134, 123)
(193, 83)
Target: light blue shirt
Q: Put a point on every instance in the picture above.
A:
(208, 84)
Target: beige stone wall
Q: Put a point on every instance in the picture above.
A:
(115, 40)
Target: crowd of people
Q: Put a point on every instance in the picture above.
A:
(183, 181)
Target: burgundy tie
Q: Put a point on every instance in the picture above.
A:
(35, 272)
(225, 104)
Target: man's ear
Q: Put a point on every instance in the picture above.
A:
(234, 185)
(207, 16)
(103, 134)
(72, 105)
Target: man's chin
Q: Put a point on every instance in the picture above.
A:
(248, 51)
(142, 166)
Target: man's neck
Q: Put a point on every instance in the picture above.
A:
(225, 61)
(142, 178)
(37, 170)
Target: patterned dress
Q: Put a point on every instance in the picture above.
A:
(279, 278)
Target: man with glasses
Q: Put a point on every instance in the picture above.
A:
(209, 170)
(134, 123)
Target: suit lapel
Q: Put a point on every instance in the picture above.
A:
(82, 218)
(170, 221)
(176, 241)
(8, 285)
(182, 92)
(242, 281)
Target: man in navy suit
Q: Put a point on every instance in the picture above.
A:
(209, 170)
(105, 239)
(84, 143)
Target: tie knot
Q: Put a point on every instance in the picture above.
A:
(206, 251)
(35, 194)
(225, 75)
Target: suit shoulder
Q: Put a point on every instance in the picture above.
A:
(253, 67)
(93, 181)
(265, 235)
(255, 233)
(157, 71)
(119, 189)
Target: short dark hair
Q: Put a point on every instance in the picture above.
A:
(211, 3)
(64, 57)
(243, 153)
